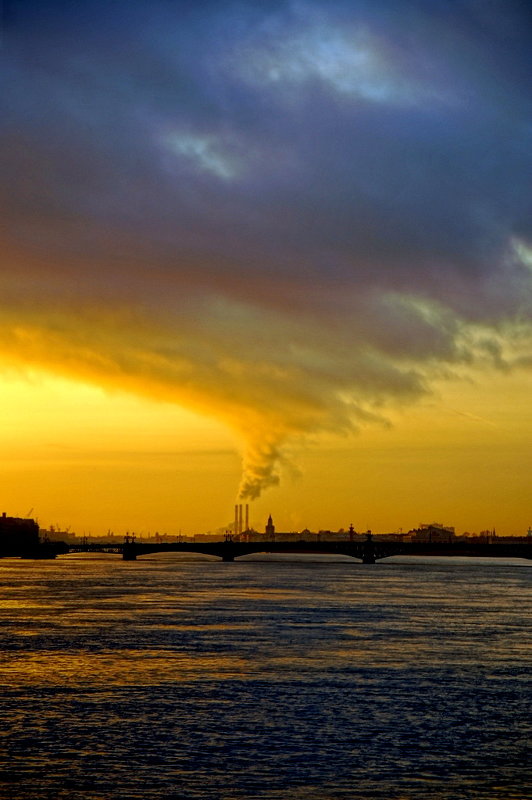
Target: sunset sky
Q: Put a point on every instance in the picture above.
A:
(275, 251)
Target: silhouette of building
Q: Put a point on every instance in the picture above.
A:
(270, 528)
(18, 536)
(432, 533)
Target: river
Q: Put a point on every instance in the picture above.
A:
(264, 680)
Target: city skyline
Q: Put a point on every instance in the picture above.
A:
(275, 255)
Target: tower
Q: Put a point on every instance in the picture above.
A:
(270, 528)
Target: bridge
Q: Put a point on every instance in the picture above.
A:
(368, 550)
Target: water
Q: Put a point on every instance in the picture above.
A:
(278, 680)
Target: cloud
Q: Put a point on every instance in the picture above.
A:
(289, 218)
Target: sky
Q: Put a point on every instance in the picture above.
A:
(272, 253)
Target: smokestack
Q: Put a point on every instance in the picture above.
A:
(247, 516)
(235, 531)
(240, 518)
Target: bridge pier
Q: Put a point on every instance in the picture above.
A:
(129, 553)
(368, 551)
(228, 549)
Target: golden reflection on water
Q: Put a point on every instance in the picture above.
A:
(149, 667)
(29, 605)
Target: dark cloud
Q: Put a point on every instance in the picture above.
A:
(343, 187)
